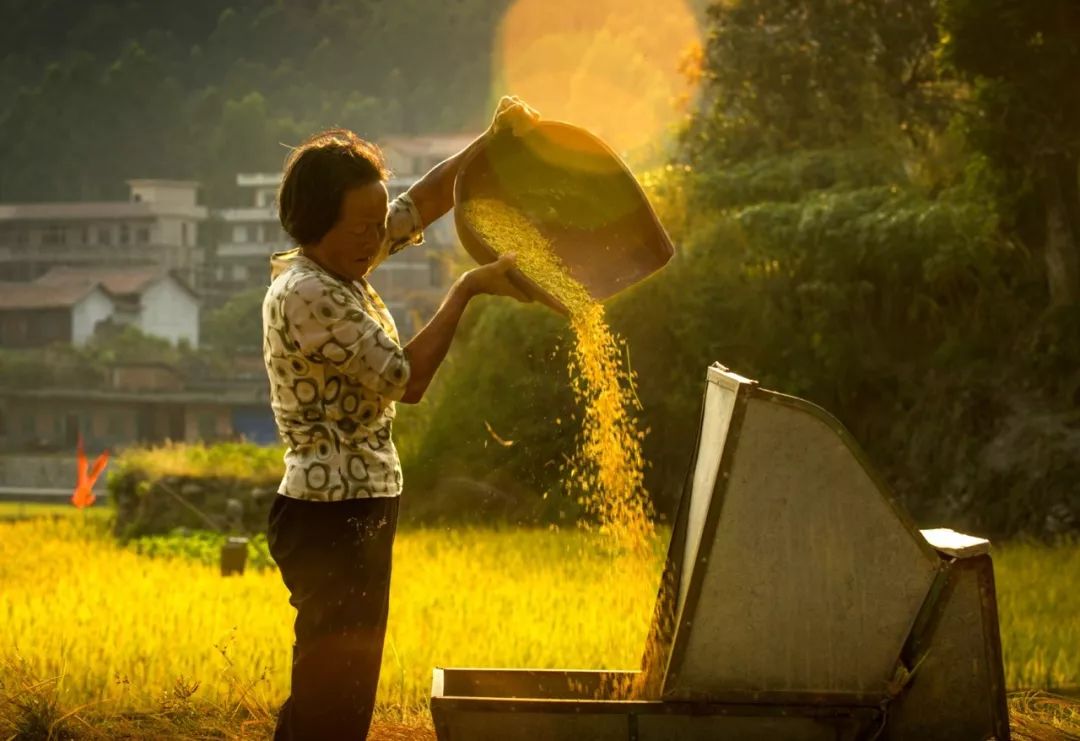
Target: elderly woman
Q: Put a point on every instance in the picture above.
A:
(336, 367)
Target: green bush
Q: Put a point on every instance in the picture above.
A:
(155, 490)
(203, 546)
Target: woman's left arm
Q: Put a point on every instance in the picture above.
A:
(433, 194)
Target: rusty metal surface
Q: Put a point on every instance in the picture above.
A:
(606, 233)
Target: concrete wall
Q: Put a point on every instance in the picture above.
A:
(96, 306)
(132, 377)
(46, 471)
(168, 311)
(176, 230)
(54, 424)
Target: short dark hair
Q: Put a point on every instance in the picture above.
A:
(317, 174)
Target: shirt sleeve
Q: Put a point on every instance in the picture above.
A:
(403, 224)
(328, 327)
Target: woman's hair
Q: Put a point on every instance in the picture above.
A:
(317, 174)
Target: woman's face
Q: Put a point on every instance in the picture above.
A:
(357, 242)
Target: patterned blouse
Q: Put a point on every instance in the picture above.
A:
(336, 367)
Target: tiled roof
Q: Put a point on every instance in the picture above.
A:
(23, 295)
(118, 281)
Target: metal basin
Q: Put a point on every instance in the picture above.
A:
(581, 197)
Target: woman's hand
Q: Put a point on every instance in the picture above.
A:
(492, 279)
(515, 114)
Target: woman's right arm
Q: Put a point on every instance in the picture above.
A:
(428, 348)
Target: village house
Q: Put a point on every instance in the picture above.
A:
(245, 238)
(158, 225)
(32, 315)
(157, 302)
(71, 304)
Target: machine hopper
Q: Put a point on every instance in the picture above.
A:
(799, 601)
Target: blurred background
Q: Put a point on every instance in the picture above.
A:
(875, 207)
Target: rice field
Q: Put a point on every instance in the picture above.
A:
(121, 629)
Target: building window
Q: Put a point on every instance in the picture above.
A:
(125, 234)
(86, 235)
(238, 233)
(52, 235)
(183, 233)
(142, 235)
(239, 273)
(29, 427)
(22, 237)
(104, 235)
(252, 233)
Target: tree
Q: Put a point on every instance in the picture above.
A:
(1022, 58)
(237, 324)
(794, 74)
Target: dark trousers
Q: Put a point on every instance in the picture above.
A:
(335, 559)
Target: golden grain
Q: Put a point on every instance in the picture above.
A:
(607, 470)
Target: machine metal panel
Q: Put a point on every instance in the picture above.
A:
(491, 723)
(759, 728)
(958, 686)
(554, 706)
(808, 577)
(719, 407)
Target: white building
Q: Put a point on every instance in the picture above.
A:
(157, 302)
(32, 315)
(246, 237)
(158, 225)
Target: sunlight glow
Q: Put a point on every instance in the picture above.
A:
(623, 69)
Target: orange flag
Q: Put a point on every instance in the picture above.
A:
(84, 486)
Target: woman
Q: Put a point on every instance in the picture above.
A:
(336, 367)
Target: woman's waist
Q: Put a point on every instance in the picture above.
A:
(325, 440)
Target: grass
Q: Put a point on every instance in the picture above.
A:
(23, 510)
(222, 460)
(117, 627)
(163, 646)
